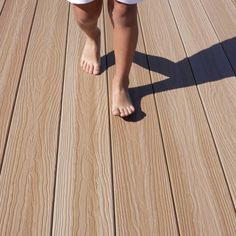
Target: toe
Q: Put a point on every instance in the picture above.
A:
(91, 69)
(96, 69)
(132, 108)
(116, 112)
(129, 110)
(122, 112)
(126, 111)
(81, 62)
(84, 66)
(87, 68)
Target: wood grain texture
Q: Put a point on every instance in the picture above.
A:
(83, 197)
(202, 200)
(27, 178)
(2, 5)
(15, 23)
(234, 1)
(223, 17)
(143, 201)
(168, 170)
(215, 78)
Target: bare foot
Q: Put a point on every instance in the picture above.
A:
(90, 59)
(121, 103)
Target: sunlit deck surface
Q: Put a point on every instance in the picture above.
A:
(68, 167)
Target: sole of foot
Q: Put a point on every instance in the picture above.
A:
(121, 102)
(90, 59)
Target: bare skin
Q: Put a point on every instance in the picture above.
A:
(121, 101)
(87, 17)
(90, 59)
(125, 34)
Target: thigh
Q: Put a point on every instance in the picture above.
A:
(122, 4)
(87, 9)
(129, 2)
(122, 7)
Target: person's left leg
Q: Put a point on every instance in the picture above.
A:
(125, 36)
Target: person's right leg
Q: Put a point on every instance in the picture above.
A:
(86, 16)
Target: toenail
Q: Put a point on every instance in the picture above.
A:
(96, 68)
(115, 111)
(84, 66)
(125, 112)
(95, 71)
(132, 108)
(91, 69)
(129, 110)
(87, 68)
(122, 113)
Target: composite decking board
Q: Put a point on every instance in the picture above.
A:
(143, 201)
(234, 1)
(27, 178)
(197, 179)
(83, 196)
(1, 5)
(19, 197)
(215, 78)
(222, 14)
(15, 24)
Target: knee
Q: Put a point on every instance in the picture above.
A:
(84, 17)
(124, 14)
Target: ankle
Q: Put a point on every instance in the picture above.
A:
(120, 83)
(93, 35)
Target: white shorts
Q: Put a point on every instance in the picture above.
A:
(87, 1)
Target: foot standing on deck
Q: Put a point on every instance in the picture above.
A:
(123, 15)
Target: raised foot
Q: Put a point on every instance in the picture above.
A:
(90, 59)
(121, 103)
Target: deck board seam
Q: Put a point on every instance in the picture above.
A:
(59, 122)
(2, 7)
(218, 154)
(109, 124)
(159, 124)
(17, 88)
(220, 42)
(234, 2)
(203, 107)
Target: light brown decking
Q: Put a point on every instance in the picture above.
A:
(70, 168)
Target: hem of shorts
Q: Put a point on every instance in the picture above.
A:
(132, 2)
(88, 1)
(80, 1)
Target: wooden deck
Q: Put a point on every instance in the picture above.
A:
(70, 168)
